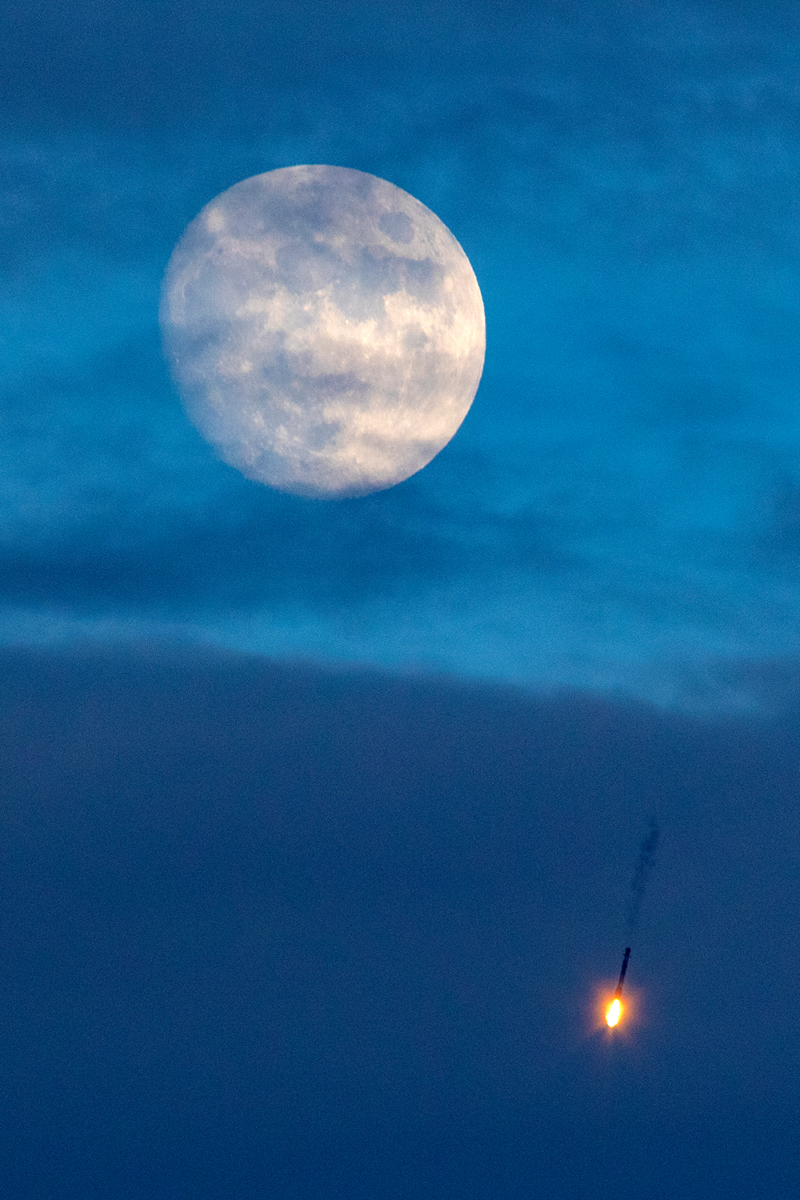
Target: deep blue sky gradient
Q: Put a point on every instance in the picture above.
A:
(318, 819)
(277, 932)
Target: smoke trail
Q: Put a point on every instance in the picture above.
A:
(644, 865)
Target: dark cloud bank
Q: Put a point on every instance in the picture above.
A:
(271, 932)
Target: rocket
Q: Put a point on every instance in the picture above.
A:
(614, 1010)
(618, 992)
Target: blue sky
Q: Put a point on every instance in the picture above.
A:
(620, 509)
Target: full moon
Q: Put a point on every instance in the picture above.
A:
(325, 330)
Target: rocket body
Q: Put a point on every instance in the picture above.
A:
(618, 992)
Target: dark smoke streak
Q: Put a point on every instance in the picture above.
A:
(644, 865)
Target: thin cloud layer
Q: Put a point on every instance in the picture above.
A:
(620, 510)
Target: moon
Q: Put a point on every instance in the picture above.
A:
(325, 330)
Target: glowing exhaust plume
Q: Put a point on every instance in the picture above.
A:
(613, 1013)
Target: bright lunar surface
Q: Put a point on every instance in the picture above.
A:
(324, 328)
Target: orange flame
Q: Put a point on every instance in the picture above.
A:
(613, 1013)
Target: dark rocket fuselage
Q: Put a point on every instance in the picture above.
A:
(618, 992)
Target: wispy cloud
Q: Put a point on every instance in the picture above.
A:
(621, 509)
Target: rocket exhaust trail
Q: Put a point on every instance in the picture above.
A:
(618, 992)
(644, 865)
